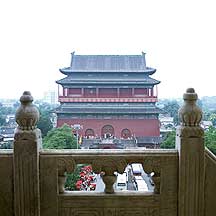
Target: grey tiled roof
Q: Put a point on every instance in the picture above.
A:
(107, 63)
(98, 80)
(110, 110)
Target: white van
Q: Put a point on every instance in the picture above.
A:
(137, 169)
(121, 183)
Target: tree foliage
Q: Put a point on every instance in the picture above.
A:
(72, 178)
(172, 107)
(210, 139)
(212, 118)
(60, 138)
(44, 124)
(169, 141)
(4, 111)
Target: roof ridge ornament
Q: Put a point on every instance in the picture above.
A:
(144, 59)
(72, 55)
(27, 115)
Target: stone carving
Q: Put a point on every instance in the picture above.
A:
(190, 145)
(110, 212)
(190, 116)
(153, 165)
(27, 115)
(109, 166)
(64, 165)
(34, 135)
(26, 172)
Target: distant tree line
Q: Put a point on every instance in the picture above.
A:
(171, 108)
(210, 140)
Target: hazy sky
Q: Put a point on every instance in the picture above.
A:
(37, 37)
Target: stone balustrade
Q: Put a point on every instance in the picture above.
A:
(32, 179)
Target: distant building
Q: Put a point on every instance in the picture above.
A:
(111, 96)
(7, 132)
(10, 120)
(1, 138)
(166, 125)
(8, 103)
(206, 124)
(166, 122)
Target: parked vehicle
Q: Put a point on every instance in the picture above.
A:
(121, 183)
(137, 169)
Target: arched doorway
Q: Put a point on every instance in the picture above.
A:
(89, 133)
(126, 133)
(107, 131)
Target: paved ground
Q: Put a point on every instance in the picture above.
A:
(146, 178)
(100, 186)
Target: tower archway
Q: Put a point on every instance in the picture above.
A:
(89, 133)
(107, 131)
(126, 133)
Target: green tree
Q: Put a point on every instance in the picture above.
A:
(60, 138)
(169, 141)
(212, 118)
(44, 124)
(46, 115)
(210, 139)
(72, 178)
(172, 108)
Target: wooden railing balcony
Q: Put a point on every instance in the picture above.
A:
(32, 179)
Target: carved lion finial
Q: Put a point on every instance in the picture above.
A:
(27, 115)
(190, 114)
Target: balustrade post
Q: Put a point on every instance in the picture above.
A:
(190, 145)
(109, 166)
(27, 142)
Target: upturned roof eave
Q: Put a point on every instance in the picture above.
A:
(69, 70)
(151, 81)
(105, 112)
(108, 83)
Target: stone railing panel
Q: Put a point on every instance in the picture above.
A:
(164, 200)
(210, 183)
(48, 186)
(109, 204)
(6, 183)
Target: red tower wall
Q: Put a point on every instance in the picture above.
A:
(109, 92)
(138, 127)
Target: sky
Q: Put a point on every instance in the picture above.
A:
(37, 37)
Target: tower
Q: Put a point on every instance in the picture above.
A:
(111, 96)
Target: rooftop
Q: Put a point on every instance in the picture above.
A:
(99, 80)
(108, 63)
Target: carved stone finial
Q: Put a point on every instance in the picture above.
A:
(27, 115)
(190, 114)
(109, 166)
